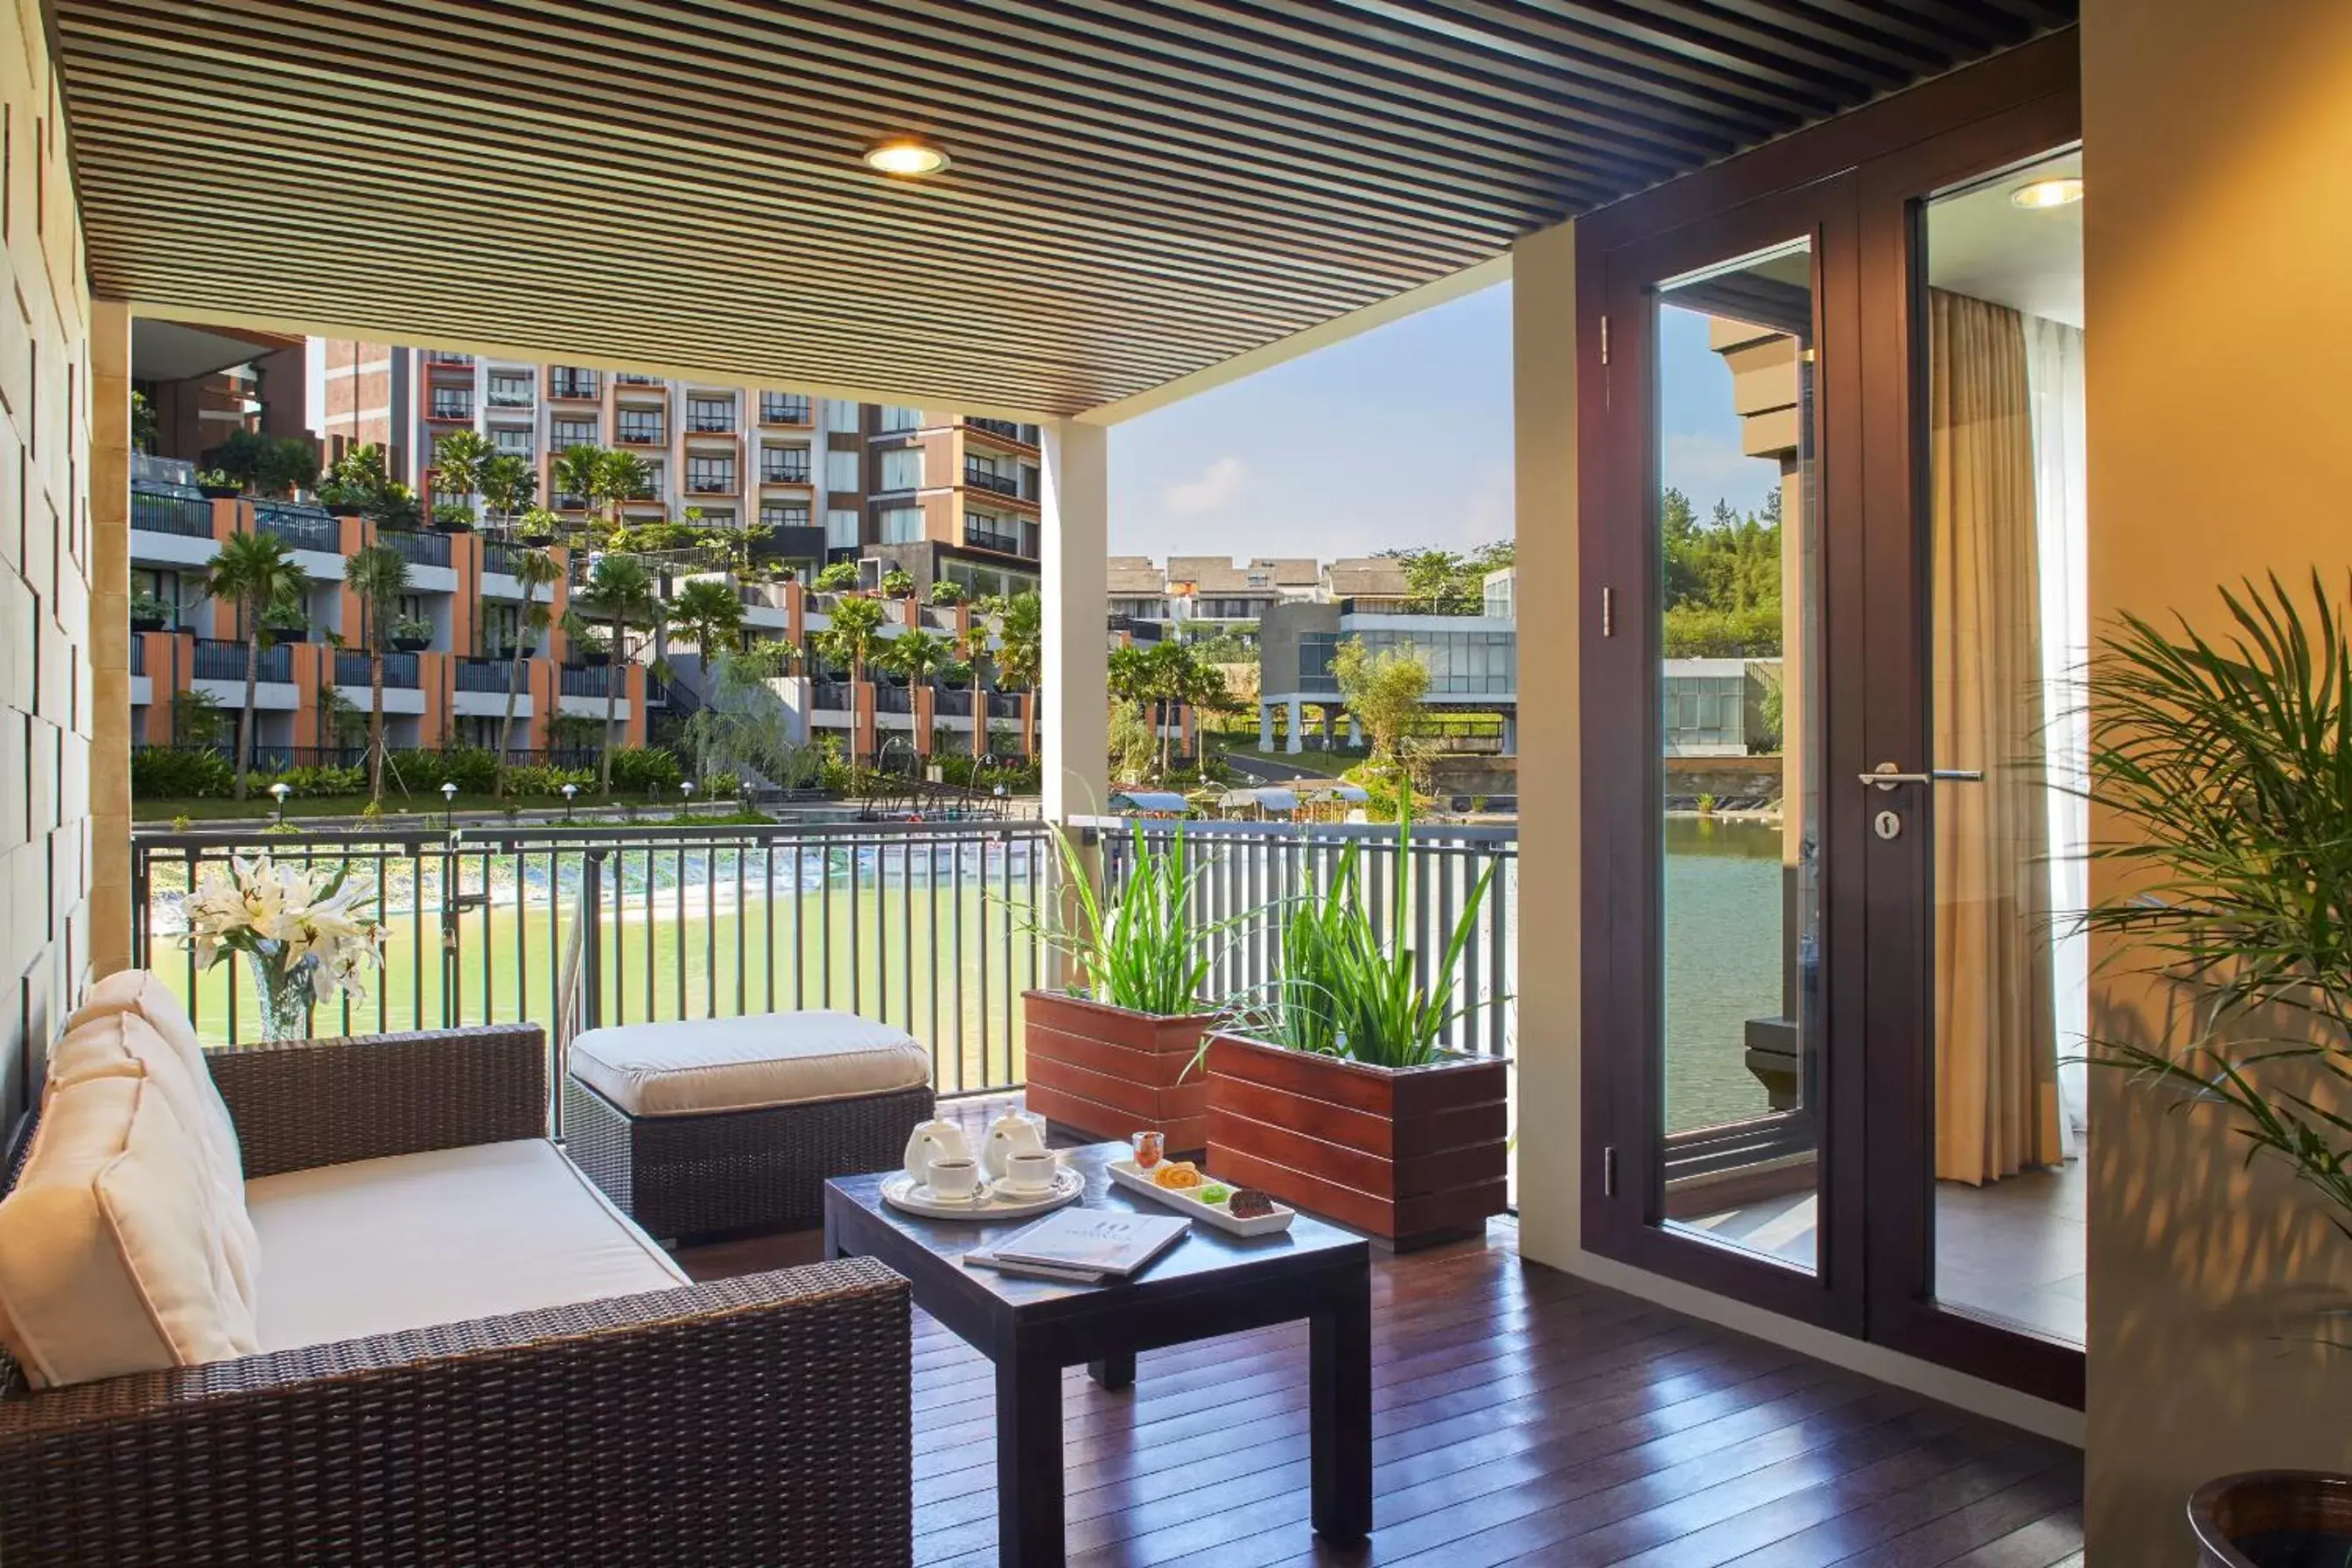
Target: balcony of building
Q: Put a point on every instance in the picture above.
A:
(1613, 1373)
(573, 385)
(1010, 433)
(786, 408)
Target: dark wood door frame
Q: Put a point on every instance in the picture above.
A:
(1624, 1091)
(1899, 978)
(1856, 184)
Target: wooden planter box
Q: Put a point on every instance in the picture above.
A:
(1412, 1155)
(1108, 1072)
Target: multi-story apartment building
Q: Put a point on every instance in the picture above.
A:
(449, 685)
(943, 498)
(1204, 594)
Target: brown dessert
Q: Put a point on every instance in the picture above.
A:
(1248, 1203)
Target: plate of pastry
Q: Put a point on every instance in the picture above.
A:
(1187, 1189)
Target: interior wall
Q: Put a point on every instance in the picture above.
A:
(2215, 239)
(46, 687)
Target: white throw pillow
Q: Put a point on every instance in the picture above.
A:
(139, 992)
(117, 1045)
(109, 1243)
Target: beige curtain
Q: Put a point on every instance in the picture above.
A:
(1996, 1038)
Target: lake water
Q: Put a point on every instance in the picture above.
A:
(1723, 963)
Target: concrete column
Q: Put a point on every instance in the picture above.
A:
(1073, 556)
(1355, 731)
(110, 913)
(1266, 726)
(1296, 717)
(1551, 866)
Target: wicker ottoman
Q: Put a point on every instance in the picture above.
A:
(728, 1124)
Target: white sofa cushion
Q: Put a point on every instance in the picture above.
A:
(743, 1064)
(118, 1045)
(138, 992)
(110, 1251)
(376, 1247)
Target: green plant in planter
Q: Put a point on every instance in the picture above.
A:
(1342, 989)
(285, 620)
(897, 583)
(146, 609)
(1144, 949)
(2227, 764)
(340, 493)
(410, 629)
(838, 578)
(947, 592)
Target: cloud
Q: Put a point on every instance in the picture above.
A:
(1709, 468)
(1212, 492)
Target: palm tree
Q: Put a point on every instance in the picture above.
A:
(972, 646)
(707, 614)
(604, 477)
(623, 591)
(1021, 654)
(377, 576)
(509, 484)
(855, 637)
(458, 459)
(257, 573)
(536, 569)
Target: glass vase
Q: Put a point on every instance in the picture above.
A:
(282, 999)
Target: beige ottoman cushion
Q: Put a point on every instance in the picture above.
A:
(747, 1064)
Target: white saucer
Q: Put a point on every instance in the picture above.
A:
(991, 1203)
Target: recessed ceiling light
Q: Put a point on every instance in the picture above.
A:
(905, 155)
(2061, 192)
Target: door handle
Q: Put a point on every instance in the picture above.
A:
(1887, 775)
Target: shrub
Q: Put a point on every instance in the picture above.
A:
(548, 782)
(897, 583)
(160, 773)
(838, 578)
(471, 768)
(324, 780)
(723, 785)
(640, 769)
(945, 591)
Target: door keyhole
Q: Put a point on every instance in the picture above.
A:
(1889, 825)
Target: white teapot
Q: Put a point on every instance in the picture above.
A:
(940, 1139)
(1010, 1134)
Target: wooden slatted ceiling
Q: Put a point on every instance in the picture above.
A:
(1141, 188)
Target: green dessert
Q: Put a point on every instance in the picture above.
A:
(1214, 1192)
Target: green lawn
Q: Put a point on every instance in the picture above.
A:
(942, 966)
(1331, 765)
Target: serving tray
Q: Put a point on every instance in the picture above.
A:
(1182, 1199)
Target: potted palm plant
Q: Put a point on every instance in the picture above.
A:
(1109, 1053)
(286, 623)
(2219, 765)
(1333, 1089)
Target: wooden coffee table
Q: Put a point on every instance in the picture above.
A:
(1209, 1283)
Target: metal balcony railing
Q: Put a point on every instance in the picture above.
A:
(138, 655)
(582, 680)
(630, 378)
(641, 432)
(1012, 430)
(221, 658)
(982, 479)
(783, 409)
(1004, 705)
(989, 539)
(485, 675)
(830, 695)
(670, 923)
(187, 516)
(452, 409)
(711, 423)
(447, 356)
(417, 549)
(572, 386)
(783, 473)
(893, 700)
(710, 485)
(400, 669)
(301, 528)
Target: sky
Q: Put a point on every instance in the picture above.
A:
(1395, 440)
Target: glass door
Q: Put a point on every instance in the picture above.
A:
(1723, 372)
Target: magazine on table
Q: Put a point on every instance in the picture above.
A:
(1103, 1243)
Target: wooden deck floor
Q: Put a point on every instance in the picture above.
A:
(1520, 1416)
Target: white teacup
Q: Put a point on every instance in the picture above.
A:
(954, 1178)
(1029, 1171)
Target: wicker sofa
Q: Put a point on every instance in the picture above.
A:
(762, 1419)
